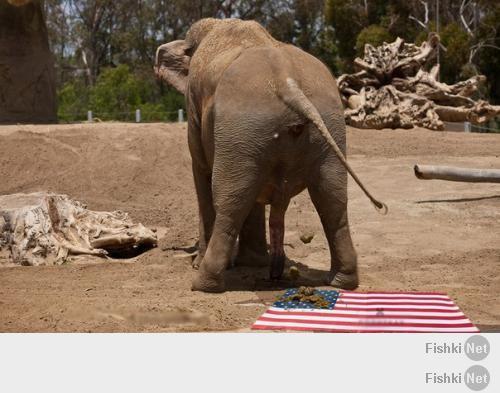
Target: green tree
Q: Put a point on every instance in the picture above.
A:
(457, 44)
(347, 18)
(374, 35)
(91, 36)
(73, 99)
(487, 56)
(116, 93)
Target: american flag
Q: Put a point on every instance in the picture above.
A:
(370, 312)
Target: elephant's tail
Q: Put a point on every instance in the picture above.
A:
(299, 103)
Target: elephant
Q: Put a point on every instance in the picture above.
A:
(265, 122)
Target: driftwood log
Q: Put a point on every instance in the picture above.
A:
(47, 229)
(396, 86)
(428, 172)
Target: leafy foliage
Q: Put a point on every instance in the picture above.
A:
(116, 92)
(73, 101)
(93, 39)
(116, 95)
(456, 42)
(374, 35)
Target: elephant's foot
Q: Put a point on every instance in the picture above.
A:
(208, 282)
(252, 259)
(343, 280)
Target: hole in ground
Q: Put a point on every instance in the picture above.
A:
(129, 252)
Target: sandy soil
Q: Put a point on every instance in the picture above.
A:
(438, 236)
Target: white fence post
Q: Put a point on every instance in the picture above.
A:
(89, 116)
(467, 126)
(137, 115)
(180, 115)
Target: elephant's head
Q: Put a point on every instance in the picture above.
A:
(172, 64)
(172, 59)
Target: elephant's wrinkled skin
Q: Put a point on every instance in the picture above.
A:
(257, 111)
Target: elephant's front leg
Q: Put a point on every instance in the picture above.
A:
(277, 236)
(206, 211)
(202, 175)
(252, 250)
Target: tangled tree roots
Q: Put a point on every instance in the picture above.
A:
(392, 89)
(45, 229)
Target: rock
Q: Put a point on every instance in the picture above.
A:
(306, 238)
(293, 273)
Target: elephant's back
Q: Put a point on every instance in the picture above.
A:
(249, 107)
(252, 82)
(313, 76)
(224, 43)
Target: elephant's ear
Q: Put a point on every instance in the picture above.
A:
(172, 64)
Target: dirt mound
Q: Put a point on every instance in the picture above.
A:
(438, 236)
(142, 169)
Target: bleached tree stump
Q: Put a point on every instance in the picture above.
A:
(394, 88)
(46, 229)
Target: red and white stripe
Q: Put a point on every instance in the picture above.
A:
(408, 312)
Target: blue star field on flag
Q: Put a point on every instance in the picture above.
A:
(329, 295)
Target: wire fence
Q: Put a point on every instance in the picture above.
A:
(492, 127)
(478, 128)
(137, 116)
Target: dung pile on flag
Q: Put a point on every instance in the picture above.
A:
(370, 312)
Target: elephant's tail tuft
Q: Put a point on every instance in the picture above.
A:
(296, 100)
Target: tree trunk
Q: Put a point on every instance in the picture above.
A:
(427, 172)
(27, 76)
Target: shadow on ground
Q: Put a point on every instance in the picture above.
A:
(459, 199)
(257, 278)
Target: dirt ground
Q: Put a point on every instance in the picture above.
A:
(438, 236)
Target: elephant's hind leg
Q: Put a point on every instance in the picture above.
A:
(235, 189)
(330, 200)
(252, 247)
